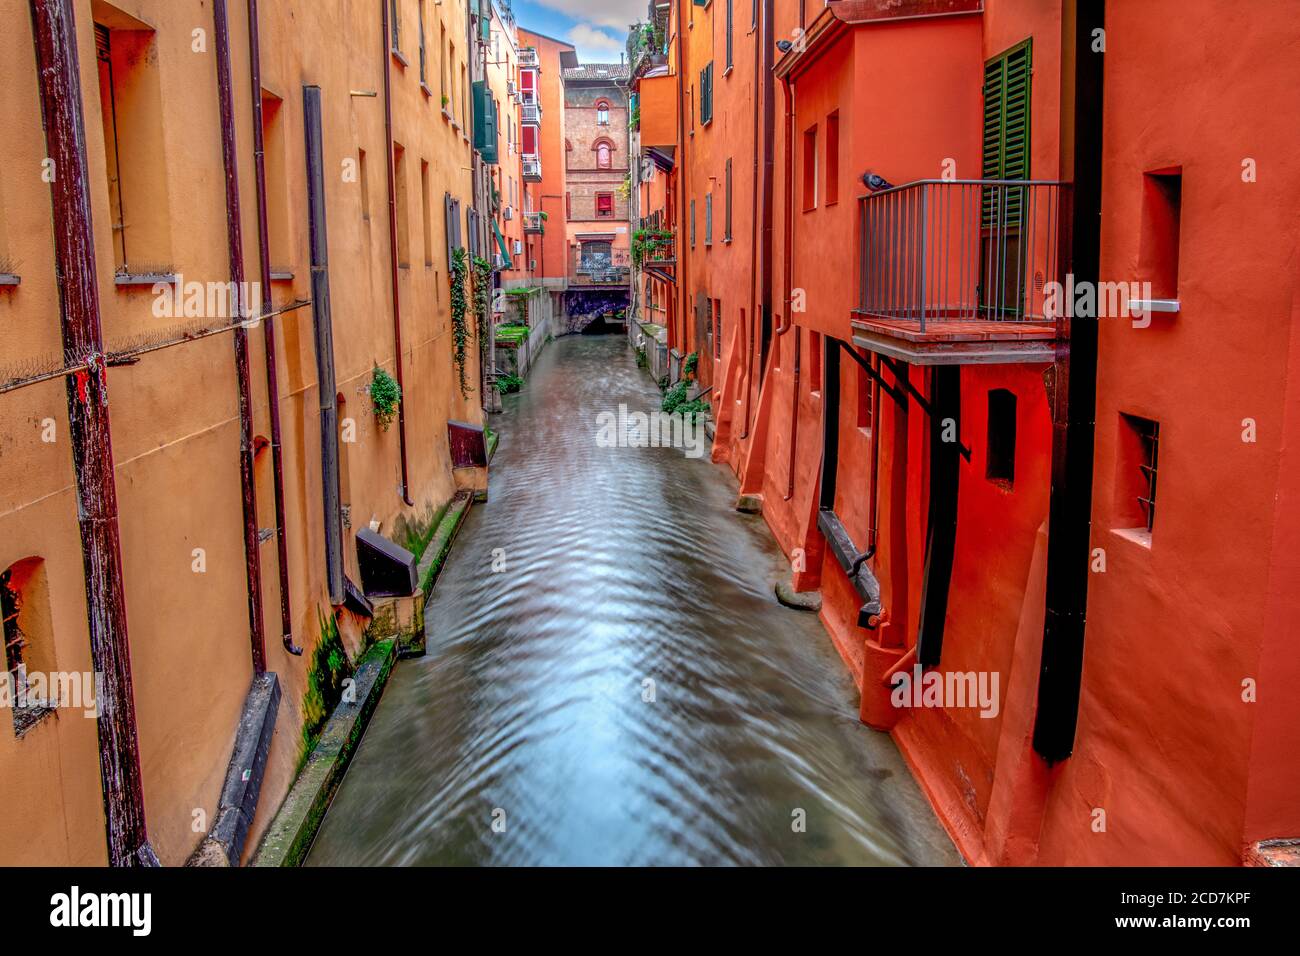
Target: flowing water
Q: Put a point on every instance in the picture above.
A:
(525, 736)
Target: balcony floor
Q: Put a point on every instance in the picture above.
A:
(955, 341)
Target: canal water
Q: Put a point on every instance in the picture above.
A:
(627, 690)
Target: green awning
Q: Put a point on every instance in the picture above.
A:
(501, 241)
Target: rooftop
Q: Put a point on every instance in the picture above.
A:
(599, 71)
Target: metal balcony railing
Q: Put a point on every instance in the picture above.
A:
(962, 250)
(528, 58)
(530, 114)
(533, 221)
(532, 169)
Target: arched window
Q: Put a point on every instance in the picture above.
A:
(603, 155)
(28, 642)
(602, 112)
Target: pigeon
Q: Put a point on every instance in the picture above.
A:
(875, 182)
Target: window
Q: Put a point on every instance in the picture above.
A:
(451, 215)
(131, 113)
(692, 223)
(833, 158)
(706, 95)
(708, 219)
(1137, 456)
(395, 22)
(602, 113)
(1000, 468)
(426, 208)
(364, 178)
(866, 398)
(568, 205)
(604, 205)
(1162, 202)
(442, 67)
(596, 256)
(810, 169)
(729, 40)
(603, 155)
(814, 361)
(717, 330)
(424, 56)
(726, 226)
(403, 207)
(28, 641)
(277, 187)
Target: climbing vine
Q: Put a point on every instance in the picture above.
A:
(482, 289)
(459, 309)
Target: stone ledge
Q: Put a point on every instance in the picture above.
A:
(291, 833)
(435, 557)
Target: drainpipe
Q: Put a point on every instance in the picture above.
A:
(323, 325)
(754, 319)
(235, 243)
(1074, 408)
(769, 166)
(268, 330)
(392, 240)
(787, 267)
(684, 207)
(58, 75)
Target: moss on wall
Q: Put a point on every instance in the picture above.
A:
(330, 667)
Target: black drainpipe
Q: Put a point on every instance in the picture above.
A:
(320, 299)
(235, 243)
(1074, 409)
(58, 76)
(268, 328)
(941, 524)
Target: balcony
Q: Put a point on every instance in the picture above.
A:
(530, 114)
(533, 221)
(957, 271)
(528, 58)
(532, 167)
(654, 251)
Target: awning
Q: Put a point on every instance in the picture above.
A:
(501, 241)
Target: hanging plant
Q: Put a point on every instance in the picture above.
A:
(459, 310)
(690, 365)
(386, 395)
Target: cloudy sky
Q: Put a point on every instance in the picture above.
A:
(598, 28)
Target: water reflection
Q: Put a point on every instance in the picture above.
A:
(624, 566)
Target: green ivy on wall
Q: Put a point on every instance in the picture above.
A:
(459, 310)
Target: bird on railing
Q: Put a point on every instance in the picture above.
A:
(875, 182)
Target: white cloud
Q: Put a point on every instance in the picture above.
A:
(595, 46)
(614, 14)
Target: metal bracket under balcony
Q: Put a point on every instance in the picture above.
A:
(958, 272)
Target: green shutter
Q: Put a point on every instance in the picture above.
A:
(1006, 125)
(485, 121)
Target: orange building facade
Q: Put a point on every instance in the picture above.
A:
(1002, 444)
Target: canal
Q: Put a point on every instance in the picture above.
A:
(627, 689)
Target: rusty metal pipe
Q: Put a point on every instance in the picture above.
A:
(235, 243)
(392, 240)
(58, 77)
(268, 329)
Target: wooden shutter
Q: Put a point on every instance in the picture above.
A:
(1006, 126)
(449, 224)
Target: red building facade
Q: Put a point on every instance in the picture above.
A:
(880, 211)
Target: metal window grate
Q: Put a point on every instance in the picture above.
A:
(1149, 434)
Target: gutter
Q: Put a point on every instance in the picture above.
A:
(235, 244)
(268, 331)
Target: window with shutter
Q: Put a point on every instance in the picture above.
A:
(1006, 126)
(706, 95)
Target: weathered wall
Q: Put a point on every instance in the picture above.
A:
(175, 414)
